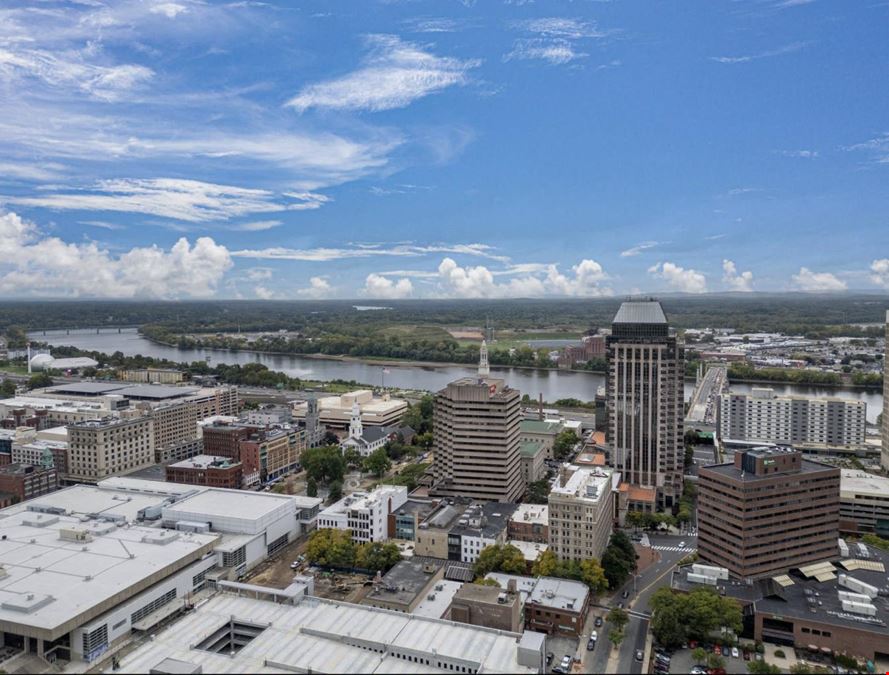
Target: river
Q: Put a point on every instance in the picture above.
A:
(553, 384)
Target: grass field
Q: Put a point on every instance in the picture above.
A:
(429, 333)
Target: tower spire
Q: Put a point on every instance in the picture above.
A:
(483, 369)
(356, 429)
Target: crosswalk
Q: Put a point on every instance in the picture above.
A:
(689, 549)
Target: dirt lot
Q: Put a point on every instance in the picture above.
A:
(275, 572)
(344, 587)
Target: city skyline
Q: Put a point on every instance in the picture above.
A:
(456, 150)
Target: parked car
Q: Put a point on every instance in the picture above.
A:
(598, 622)
(726, 651)
(625, 594)
(591, 644)
(294, 564)
(620, 605)
(735, 653)
(639, 655)
(549, 658)
(698, 670)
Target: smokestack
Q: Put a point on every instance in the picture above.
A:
(540, 406)
(29, 358)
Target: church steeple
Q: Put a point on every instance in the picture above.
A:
(356, 429)
(483, 369)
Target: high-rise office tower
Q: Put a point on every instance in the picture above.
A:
(884, 455)
(645, 400)
(477, 425)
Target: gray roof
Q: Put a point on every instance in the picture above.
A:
(371, 434)
(640, 312)
(492, 516)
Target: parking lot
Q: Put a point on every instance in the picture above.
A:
(681, 661)
(559, 647)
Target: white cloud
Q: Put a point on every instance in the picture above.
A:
(807, 280)
(179, 199)
(479, 282)
(318, 288)
(169, 9)
(736, 281)
(563, 27)
(800, 154)
(684, 280)
(378, 286)
(31, 172)
(880, 272)
(877, 147)
(394, 74)
(555, 52)
(555, 39)
(258, 273)
(369, 251)
(257, 225)
(780, 51)
(637, 249)
(33, 264)
(263, 293)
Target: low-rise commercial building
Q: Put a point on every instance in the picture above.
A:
(265, 453)
(231, 633)
(540, 431)
(152, 375)
(432, 533)
(864, 502)
(581, 512)
(529, 522)
(405, 586)
(335, 412)
(366, 514)
(767, 511)
(552, 606)
(480, 526)
(405, 521)
(206, 470)
(762, 416)
(27, 481)
(498, 608)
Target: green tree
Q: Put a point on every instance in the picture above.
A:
(637, 519)
(374, 555)
(762, 668)
(715, 661)
(564, 443)
(352, 457)
(616, 636)
(617, 568)
(538, 492)
(592, 574)
(7, 388)
(312, 487)
(325, 464)
(500, 558)
(39, 381)
(335, 493)
(619, 617)
(667, 626)
(545, 565)
(377, 462)
(699, 654)
(332, 547)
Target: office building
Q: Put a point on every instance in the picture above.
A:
(246, 631)
(552, 606)
(533, 461)
(767, 511)
(21, 482)
(477, 422)
(152, 375)
(206, 470)
(106, 447)
(366, 514)
(805, 422)
(480, 526)
(581, 513)
(41, 452)
(404, 522)
(335, 412)
(864, 503)
(644, 394)
(540, 431)
(884, 454)
(265, 453)
(487, 606)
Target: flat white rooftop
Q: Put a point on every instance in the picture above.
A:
(585, 484)
(323, 636)
(233, 511)
(54, 585)
(533, 514)
(855, 483)
(88, 500)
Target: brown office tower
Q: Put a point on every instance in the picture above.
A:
(645, 400)
(768, 511)
(476, 422)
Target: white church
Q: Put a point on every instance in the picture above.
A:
(365, 441)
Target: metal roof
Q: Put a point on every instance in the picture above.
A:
(640, 312)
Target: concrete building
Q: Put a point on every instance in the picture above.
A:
(767, 511)
(311, 422)
(764, 417)
(405, 586)
(645, 399)
(237, 633)
(476, 446)
(39, 452)
(864, 502)
(480, 526)
(497, 608)
(540, 431)
(432, 533)
(335, 412)
(552, 606)
(366, 514)
(206, 470)
(884, 454)
(101, 448)
(269, 415)
(152, 375)
(529, 522)
(27, 481)
(581, 513)
(405, 521)
(533, 457)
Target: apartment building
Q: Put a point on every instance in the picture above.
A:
(366, 514)
(581, 513)
(762, 416)
(107, 447)
(767, 511)
(477, 422)
(644, 399)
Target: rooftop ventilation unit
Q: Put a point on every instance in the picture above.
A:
(161, 537)
(39, 520)
(74, 534)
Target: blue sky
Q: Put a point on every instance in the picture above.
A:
(436, 148)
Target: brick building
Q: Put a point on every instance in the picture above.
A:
(767, 511)
(530, 522)
(206, 470)
(26, 481)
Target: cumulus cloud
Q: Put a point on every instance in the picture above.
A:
(480, 282)
(318, 288)
(32, 263)
(736, 281)
(880, 272)
(684, 280)
(377, 286)
(394, 74)
(175, 198)
(807, 280)
(263, 293)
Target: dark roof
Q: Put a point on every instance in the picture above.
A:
(731, 471)
(371, 434)
(640, 312)
(495, 518)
